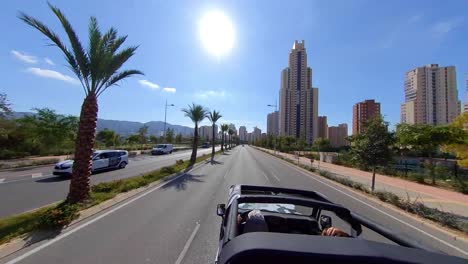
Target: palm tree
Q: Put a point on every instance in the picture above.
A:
(230, 132)
(213, 117)
(97, 68)
(197, 113)
(224, 128)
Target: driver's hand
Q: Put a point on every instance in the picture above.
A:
(333, 231)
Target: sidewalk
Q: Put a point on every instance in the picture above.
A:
(445, 200)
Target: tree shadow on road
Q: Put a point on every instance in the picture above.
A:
(38, 236)
(54, 179)
(214, 162)
(181, 183)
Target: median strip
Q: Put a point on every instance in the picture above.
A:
(57, 216)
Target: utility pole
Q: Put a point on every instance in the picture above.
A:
(277, 122)
(165, 113)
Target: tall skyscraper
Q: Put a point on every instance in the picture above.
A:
(322, 127)
(298, 99)
(256, 134)
(273, 123)
(337, 135)
(242, 133)
(363, 112)
(465, 106)
(431, 95)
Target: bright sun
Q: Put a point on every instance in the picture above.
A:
(217, 33)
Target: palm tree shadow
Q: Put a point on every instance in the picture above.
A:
(214, 162)
(181, 183)
(38, 236)
(54, 179)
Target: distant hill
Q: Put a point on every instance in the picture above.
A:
(126, 128)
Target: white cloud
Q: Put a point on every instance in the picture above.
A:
(210, 93)
(169, 90)
(441, 28)
(149, 84)
(49, 61)
(24, 57)
(52, 75)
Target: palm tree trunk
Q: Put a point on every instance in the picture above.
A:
(373, 179)
(193, 158)
(213, 144)
(82, 165)
(222, 142)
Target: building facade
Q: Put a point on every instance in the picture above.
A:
(465, 105)
(431, 96)
(337, 135)
(273, 123)
(322, 127)
(363, 112)
(206, 132)
(298, 106)
(233, 127)
(242, 133)
(256, 134)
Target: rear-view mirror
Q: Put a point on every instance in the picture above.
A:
(221, 209)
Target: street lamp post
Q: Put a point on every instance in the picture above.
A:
(165, 113)
(276, 130)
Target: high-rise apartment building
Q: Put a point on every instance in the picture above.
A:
(273, 123)
(322, 127)
(465, 105)
(431, 95)
(363, 112)
(242, 133)
(337, 135)
(206, 132)
(256, 134)
(298, 106)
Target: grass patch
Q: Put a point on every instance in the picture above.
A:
(62, 214)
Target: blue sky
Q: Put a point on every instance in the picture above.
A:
(357, 50)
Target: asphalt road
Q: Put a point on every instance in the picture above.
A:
(27, 189)
(175, 222)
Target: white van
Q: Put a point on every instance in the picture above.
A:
(162, 149)
(102, 159)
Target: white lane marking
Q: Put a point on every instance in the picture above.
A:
(36, 175)
(276, 177)
(66, 234)
(385, 213)
(227, 172)
(187, 244)
(264, 175)
(2, 180)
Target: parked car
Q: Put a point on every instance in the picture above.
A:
(102, 160)
(162, 149)
(205, 145)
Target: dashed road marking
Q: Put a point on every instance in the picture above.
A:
(2, 180)
(276, 177)
(36, 175)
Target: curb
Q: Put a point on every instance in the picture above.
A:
(456, 235)
(23, 241)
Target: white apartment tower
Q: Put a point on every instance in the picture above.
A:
(298, 108)
(431, 96)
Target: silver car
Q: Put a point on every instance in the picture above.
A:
(102, 160)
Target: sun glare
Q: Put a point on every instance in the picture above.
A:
(217, 33)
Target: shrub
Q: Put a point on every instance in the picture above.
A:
(167, 170)
(59, 216)
(417, 177)
(323, 173)
(179, 162)
(107, 187)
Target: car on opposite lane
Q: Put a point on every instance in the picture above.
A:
(102, 160)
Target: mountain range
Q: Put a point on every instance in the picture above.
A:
(126, 128)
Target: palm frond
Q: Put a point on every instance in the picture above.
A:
(41, 27)
(214, 116)
(118, 77)
(80, 54)
(94, 51)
